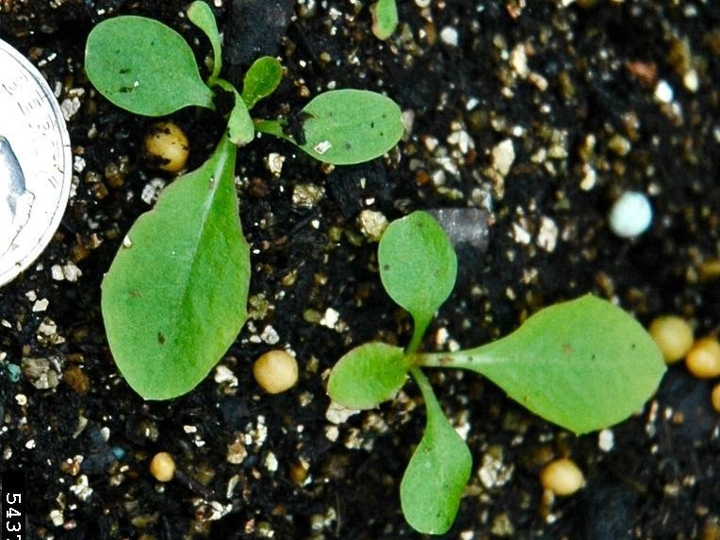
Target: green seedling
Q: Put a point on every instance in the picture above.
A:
(174, 298)
(584, 364)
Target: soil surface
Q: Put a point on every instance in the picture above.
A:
(541, 113)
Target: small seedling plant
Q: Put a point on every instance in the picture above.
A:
(584, 364)
(174, 298)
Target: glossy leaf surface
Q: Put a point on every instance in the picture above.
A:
(435, 478)
(368, 375)
(175, 296)
(143, 66)
(584, 364)
(344, 127)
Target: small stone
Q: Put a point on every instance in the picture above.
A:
(224, 375)
(619, 145)
(547, 235)
(372, 224)
(449, 36)
(151, 190)
(40, 373)
(274, 163)
(631, 215)
(691, 81)
(56, 272)
(307, 195)
(40, 305)
(330, 318)
(503, 156)
(606, 440)
(664, 92)
(236, 452)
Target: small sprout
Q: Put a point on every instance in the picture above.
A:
(167, 147)
(703, 359)
(162, 467)
(562, 477)
(553, 364)
(673, 335)
(276, 371)
(715, 398)
(631, 215)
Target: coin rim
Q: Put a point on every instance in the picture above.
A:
(31, 255)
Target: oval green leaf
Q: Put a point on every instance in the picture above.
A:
(344, 127)
(368, 375)
(143, 66)
(418, 267)
(435, 478)
(385, 18)
(175, 296)
(261, 80)
(584, 364)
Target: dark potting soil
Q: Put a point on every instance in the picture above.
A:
(540, 112)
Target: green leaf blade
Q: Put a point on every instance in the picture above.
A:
(435, 478)
(583, 364)
(143, 66)
(418, 267)
(368, 375)
(344, 127)
(175, 296)
(202, 16)
(240, 128)
(261, 80)
(385, 18)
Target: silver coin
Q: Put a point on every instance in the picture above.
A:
(35, 163)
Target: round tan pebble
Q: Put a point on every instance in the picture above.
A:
(715, 397)
(167, 146)
(562, 477)
(703, 359)
(673, 336)
(276, 371)
(162, 467)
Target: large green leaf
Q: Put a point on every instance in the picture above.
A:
(584, 364)
(144, 66)
(418, 267)
(343, 127)
(368, 375)
(175, 296)
(435, 478)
